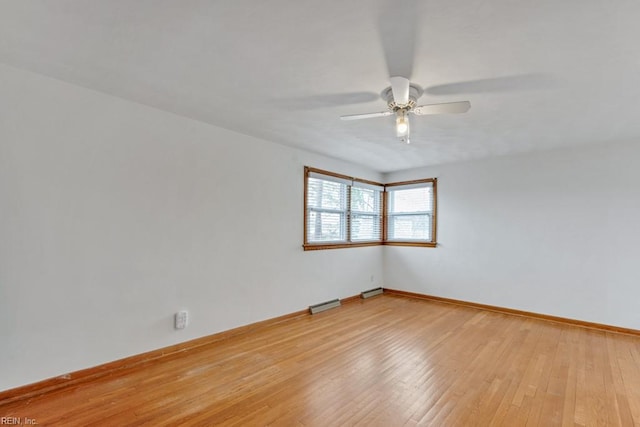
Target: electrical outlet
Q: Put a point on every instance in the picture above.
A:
(181, 319)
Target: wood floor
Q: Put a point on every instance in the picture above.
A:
(385, 361)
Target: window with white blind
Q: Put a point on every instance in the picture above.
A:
(410, 216)
(341, 211)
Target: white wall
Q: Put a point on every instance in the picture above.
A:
(552, 232)
(114, 215)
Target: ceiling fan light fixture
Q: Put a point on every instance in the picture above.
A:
(402, 124)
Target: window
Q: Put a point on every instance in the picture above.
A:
(366, 212)
(326, 209)
(410, 213)
(341, 211)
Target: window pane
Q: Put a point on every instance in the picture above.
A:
(326, 226)
(365, 227)
(326, 194)
(410, 227)
(411, 200)
(365, 200)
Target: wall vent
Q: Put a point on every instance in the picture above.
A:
(324, 306)
(371, 293)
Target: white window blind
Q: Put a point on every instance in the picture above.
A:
(410, 212)
(342, 210)
(365, 214)
(326, 210)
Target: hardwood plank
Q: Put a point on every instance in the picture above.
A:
(384, 361)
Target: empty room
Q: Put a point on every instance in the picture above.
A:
(367, 212)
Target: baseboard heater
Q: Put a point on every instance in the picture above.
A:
(324, 306)
(371, 293)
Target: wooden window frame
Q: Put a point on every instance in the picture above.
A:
(434, 227)
(307, 246)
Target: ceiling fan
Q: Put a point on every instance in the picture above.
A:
(401, 98)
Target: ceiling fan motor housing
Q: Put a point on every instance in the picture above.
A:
(415, 92)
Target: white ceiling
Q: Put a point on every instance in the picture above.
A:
(539, 74)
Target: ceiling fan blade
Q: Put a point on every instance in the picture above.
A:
(314, 102)
(366, 115)
(531, 81)
(446, 108)
(397, 27)
(400, 89)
